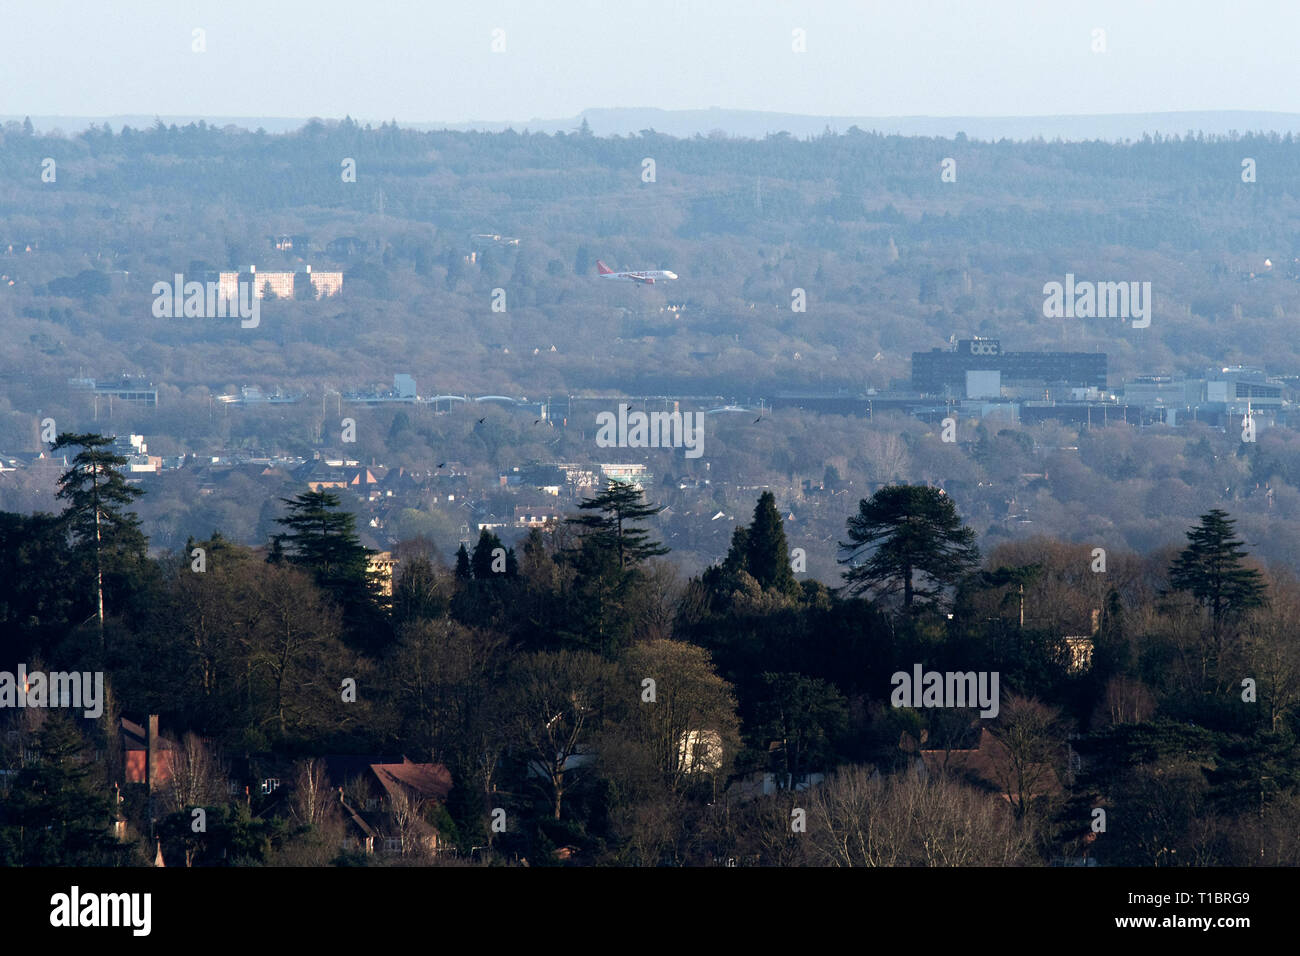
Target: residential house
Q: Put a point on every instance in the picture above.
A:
(386, 801)
(988, 764)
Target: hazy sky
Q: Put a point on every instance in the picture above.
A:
(426, 60)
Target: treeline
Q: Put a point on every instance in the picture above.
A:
(1118, 486)
(235, 161)
(890, 257)
(608, 711)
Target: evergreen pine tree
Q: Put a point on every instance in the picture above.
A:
(738, 554)
(1111, 651)
(606, 560)
(768, 553)
(464, 571)
(613, 525)
(1211, 570)
(103, 532)
(37, 604)
(483, 558)
(909, 530)
(322, 540)
(56, 812)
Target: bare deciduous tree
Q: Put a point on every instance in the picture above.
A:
(550, 712)
(857, 818)
(314, 800)
(1126, 701)
(690, 728)
(197, 778)
(407, 813)
(1270, 651)
(1032, 754)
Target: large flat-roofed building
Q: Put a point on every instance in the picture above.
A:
(126, 390)
(944, 371)
(281, 284)
(1238, 386)
(1154, 391)
(1231, 390)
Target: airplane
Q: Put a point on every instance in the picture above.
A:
(646, 277)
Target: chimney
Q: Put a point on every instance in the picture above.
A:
(151, 753)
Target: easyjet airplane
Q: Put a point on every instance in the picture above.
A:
(647, 277)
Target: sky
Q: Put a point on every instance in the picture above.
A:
(432, 60)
